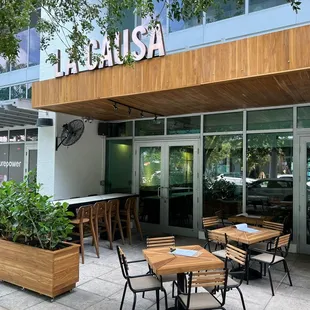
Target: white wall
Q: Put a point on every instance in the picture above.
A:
(78, 168)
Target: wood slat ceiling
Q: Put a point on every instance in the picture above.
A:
(274, 90)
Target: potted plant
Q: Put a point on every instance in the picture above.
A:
(33, 230)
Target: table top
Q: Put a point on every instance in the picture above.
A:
(248, 238)
(90, 199)
(253, 220)
(164, 263)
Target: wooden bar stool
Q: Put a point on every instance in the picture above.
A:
(85, 215)
(114, 217)
(102, 220)
(129, 213)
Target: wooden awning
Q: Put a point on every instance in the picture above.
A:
(267, 70)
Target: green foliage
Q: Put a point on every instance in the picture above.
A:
(221, 189)
(73, 20)
(28, 217)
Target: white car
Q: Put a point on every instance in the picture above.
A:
(235, 178)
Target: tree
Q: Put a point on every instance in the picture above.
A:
(74, 20)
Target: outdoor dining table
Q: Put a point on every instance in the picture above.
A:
(247, 239)
(164, 262)
(250, 219)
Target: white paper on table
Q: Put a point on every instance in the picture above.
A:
(183, 252)
(244, 227)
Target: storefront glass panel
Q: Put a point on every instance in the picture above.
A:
(222, 175)
(223, 122)
(258, 5)
(4, 136)
(17, 135)
(118, 177)
(16, 162)
(123, 129)
(32, 134)
(270, 119)
(150, 127)
(183, 125)
(270, 176)
(303, 117)
(4, 158)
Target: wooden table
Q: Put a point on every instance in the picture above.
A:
(247, 239)
(252, 220)
(164, 263)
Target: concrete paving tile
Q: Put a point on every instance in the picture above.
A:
(287, 303)
(94, 270)
(21, 300)
(102, 288)
(110, 304)
(7, 288)
(47, 305)
(79, 299)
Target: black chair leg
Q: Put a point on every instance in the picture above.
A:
(242, 299)
(264, 269)
(123, 298)
(270, 279)
(166, 297)
(157, 299)
(287, 271)
(134, 301)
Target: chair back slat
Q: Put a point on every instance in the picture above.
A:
(273, 226)
(210, 221)
(85, 212)
(283, 241)
(100, 209)
(113, 207)
(160, 242)
(130, 204)
(236, 254)
(208, 278)
(216, 237)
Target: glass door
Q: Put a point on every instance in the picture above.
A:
(166, 180)
(304, 190)
(31, 157)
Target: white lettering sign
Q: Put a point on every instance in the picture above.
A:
(111, 57)
(13, 164)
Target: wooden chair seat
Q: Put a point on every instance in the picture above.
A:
(77, 221)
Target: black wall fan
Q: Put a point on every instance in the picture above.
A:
(71, 133)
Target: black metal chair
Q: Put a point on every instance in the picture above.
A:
(139, 283)
(271, 258)
(203, 300)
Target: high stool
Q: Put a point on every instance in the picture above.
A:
(85, 215)
(102, 221)
(129, 213)
(113, 217)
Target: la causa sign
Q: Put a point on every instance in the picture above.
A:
(111, 56)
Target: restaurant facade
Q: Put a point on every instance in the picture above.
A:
(213, 116)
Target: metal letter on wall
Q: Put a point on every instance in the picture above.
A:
(118, 43)
(107, 57)
(58, 72)
(72, 67)
(92, 63)
(136, 39)
(156, 42)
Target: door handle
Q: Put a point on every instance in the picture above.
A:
(158, 192)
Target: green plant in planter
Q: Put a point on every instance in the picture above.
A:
(223, 189)
(28, 217)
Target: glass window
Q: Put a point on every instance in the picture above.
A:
(18, 91)
(123, 129)
(222, 175)
(17, 135)
(4, 65)
(223, 9)
(32, 134)
(118, 166)
(270, 119)
(303, 117)
(183, 125)
(34, 47)
(4, 93)
(149, 127)
(175, 25)
(4, 136)
(21, 61)
(223, 122)
(4, 158)
(128, 20)
(29, 90)
(258, 5)
(270, 176)
(161, 10)
(16, 162)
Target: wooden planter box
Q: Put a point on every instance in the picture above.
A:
(49, 273)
